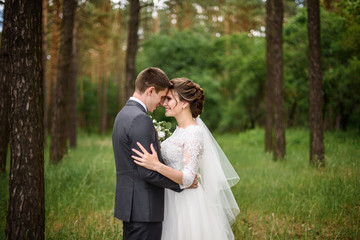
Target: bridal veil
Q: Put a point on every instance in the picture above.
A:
(217, 176)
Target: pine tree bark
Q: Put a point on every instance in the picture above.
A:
(315, 78)
(269, 77)
(4, 99)
(132, 45)
(22, 46)
(279, 111)
(58, 146)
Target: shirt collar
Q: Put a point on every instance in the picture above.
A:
(139, 101)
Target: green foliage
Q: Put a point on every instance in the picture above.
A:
(296, 80)
(339, 65)
(232, 70)
(229, 69)
(186, 54)
(87, 105)
(242, 81)
(278, 200)
(178, 53)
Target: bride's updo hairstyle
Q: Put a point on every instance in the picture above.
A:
(190, 92)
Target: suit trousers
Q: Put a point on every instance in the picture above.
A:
(142, 230)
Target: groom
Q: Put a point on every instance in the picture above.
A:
(139, 199)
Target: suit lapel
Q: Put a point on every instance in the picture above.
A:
(156, 144)
(134, 103)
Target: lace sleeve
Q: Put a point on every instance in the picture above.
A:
(193, 149)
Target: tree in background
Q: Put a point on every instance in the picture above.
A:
(132, 45)
(54, 39)
(22, 48)
(4, 105)
(104, 72)
(269, 77)
(101, 58)
(120, 59)
(104, 37)
(72, 124)
(315, 79)
(58, 146)
(44, 58)
(279, 111)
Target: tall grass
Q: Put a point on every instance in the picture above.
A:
(291, 199)
(278, 200)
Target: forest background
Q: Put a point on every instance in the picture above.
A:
(218, 44)
(222, 45)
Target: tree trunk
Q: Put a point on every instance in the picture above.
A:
(132, 46)
(269, 77)
(331, 119)
(119, 65)
(53, 68)
(315, 78)
(105, 87)
(58, 146)
(72, 92)
(105, 104)
(21, 44)
(179, 14)
(279, 112)
(4, 98)
(327, 4)
(100, 88)
(44, 59)
(187, 14)
(291, 118)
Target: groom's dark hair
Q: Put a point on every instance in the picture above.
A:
(151, 77)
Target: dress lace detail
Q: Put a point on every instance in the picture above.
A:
(183, 151)
(193, 214)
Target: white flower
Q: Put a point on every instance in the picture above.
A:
(163, 129)
(161, 134)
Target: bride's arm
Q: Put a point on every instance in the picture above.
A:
(151, 161)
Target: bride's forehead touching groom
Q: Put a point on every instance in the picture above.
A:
(151, 89)
(207, 211)
(143, 171)
(139, 197)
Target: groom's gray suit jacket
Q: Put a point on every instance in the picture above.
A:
(139, 191)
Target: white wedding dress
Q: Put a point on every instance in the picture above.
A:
(196, 214)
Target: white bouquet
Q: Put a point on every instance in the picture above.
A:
(163, 129)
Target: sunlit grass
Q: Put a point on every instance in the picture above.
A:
(291, 199)
(278, 200)
(80, 193)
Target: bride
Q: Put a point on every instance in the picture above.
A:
(208, 211)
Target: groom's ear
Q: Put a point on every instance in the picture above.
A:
(149, 90)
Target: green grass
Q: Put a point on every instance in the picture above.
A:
(278, 200)
(292, 200)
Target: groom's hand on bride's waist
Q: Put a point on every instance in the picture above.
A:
(195, 183)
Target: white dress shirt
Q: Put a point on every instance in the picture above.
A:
(139, 101)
